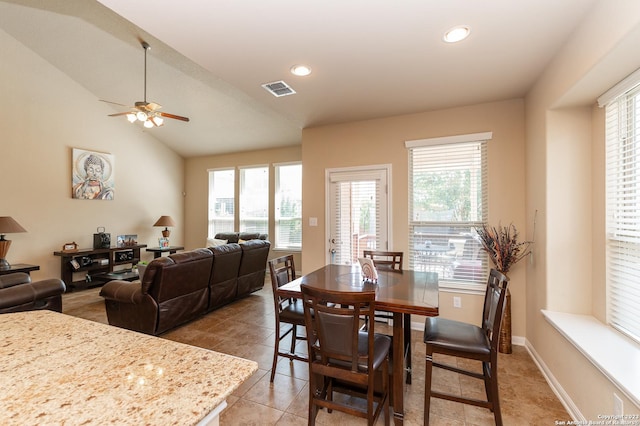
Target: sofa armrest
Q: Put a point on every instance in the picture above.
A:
(10, 280)
(28, 293)
(122, 291)
(49, 287)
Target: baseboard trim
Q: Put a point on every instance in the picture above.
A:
(555, 386)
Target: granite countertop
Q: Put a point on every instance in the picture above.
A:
(59, 369)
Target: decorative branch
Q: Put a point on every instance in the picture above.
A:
(502, 246)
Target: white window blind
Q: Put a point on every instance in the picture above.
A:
(623, 211)
(221, 201)
(357, 215)
(447, 201)
(254, 199)
(288, 206)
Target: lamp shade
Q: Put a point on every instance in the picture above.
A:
(9, 226)
(165, 221)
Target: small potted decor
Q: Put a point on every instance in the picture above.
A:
(141, 266)
(502, 245)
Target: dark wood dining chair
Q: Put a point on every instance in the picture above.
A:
(342, 357)
(385, 260)
(288, 310)
(462, 340)
(392, 261)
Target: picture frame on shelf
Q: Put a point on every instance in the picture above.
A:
(127, 240)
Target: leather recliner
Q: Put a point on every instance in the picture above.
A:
(174, 290)
(18, 293)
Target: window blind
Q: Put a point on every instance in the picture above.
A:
(288, 208)
(221, 201)
(357, 215)
(447, 201)
(254, 199)
(623, 211)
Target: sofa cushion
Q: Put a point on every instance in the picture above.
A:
(223, 284)
(215, 242)
(253, 266)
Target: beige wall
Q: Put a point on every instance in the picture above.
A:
(43, 116)
(565, 183)
(197, 189)
(381, 141)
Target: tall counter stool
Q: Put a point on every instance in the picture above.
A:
(462, 340)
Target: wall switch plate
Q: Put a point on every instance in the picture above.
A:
(313, 221)
(457, 302)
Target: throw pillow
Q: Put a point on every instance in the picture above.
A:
(214, 242)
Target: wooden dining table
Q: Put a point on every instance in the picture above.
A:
(397, 292)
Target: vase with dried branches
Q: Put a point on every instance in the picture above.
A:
(505, 250)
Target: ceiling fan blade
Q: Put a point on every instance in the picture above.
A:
(115, 103)
(175, 117)
(119, 114)
(152, 106)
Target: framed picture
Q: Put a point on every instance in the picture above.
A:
(127, 240)
(92, 175)
(163, 242)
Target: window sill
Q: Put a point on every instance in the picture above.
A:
(613, 354)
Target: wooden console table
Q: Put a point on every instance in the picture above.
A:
(19, 267)
(97, 265)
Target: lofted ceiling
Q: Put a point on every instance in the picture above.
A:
(370, 58)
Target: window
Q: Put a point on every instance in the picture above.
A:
(623, 205)
(221, 201)
(447, 201)
(254, 199)
(288, 206)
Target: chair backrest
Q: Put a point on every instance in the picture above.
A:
(494, 304)
(333, 320)
(282, 270)
(386, 260)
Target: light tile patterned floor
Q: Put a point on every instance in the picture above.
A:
(246, 329)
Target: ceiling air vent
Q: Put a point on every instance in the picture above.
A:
(279, 88)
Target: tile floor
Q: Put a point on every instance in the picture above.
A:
(246, 329)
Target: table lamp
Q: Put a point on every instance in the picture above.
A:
(7, 226)
(165, 221)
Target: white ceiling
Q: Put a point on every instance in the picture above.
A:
(370, 58)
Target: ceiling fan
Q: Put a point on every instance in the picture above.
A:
(146, 112)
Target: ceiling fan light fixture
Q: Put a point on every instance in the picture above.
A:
(141, 115)
(457, 33)
(143, 111)
(158, 121)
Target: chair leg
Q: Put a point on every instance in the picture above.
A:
(495, 399)
(293, 341)
(276, 349)
(313, 408)
(427, 387)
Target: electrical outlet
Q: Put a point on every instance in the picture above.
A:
(617, 405)
(457, 302)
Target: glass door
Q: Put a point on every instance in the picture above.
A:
(358, 213)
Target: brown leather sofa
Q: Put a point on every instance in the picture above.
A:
(183, 286)
(235, 237)
(18, 293)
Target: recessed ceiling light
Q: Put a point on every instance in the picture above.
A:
(456, 34)
(300, 70)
